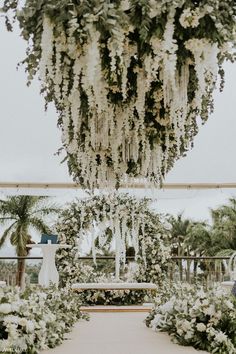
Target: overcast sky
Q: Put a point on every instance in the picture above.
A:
(29, 138)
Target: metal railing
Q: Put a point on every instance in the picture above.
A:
(205, 270)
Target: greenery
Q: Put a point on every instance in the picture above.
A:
(36, 319)
(224, 228)
(199, 238)
(19, 215)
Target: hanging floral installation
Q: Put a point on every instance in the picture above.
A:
(129, 78)
(128, 220)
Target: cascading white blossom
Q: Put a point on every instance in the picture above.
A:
(125, 114)
(206, 65)
(46, 67)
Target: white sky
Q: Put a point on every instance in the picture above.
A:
(29, 138)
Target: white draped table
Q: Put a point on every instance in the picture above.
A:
(114, 286)
(48, 272)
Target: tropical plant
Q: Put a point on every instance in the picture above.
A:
(224, 228)
(189, 238)
(179, 233)
(198, 238)
(20, 214)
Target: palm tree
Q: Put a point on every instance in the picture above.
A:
(199, 238)
(179, 232)
(189, 238)
(200, 243)
(224, 227)
(20, 214)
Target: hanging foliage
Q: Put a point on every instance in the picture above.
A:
(129, 78)
(128, 220)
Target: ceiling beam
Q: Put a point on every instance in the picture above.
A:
(45, 185)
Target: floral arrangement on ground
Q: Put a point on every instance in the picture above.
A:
(36, 319)
(205, 320)
(129, 78)
(119, 220)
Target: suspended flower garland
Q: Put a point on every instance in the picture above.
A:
(128, 220)
(128, 78)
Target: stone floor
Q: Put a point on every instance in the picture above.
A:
(117, 333)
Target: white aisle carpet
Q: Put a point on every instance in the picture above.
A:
(117, 333)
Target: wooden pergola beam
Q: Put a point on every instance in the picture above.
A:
(36, 185)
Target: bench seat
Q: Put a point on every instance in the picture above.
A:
(114, 286)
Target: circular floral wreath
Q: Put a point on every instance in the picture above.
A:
(129, 219)
(128, 77)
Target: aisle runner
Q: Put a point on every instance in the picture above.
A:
(118, 333)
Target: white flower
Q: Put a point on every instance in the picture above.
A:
(15, 306)
(158, 319)
(11, 319)
(186, 325)
(190, 18)
(201, 327)
(22, 322)
(210, 310)
(229, 304)
(167, 307)
(205, 302)
(5, 308)
(189, 335)
(201, 294)
(221, 337)
(30, 326)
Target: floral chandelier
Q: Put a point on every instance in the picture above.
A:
(129, 79)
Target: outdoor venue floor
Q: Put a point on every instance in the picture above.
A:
(117, 333)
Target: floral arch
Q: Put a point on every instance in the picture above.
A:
(131, 222)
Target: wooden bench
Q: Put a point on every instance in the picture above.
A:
(114, 286)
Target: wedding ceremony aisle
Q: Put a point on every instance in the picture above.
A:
(118, 333)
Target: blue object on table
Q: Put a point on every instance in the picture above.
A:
(45, 238)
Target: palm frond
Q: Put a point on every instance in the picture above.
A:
(26, 211)
(6, 234)
(225, 253)
(45, 211)
(39, 225)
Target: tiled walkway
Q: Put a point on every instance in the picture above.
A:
(117, 333)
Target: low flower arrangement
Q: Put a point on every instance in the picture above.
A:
(205, 320)
(36, 319)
